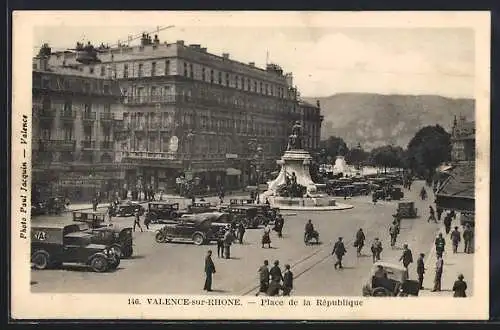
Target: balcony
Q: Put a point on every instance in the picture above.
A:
(88, 116)
(46, 113)
(107, 145)
(136, 100)
(68, 115)
(107, 116)
(88, 144)
(57, 145)
(150, 155)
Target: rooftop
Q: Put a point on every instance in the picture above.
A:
(460, 183)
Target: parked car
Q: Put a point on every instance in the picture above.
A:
(396, 193)
(127, 209)
(158, 211)
(54, 245)
(241, 201)
(57, 204)
(389, 280)
(406, 210)
(38, 208)
(201, 207)
(117, 236)
(360, 188)
(198, 229)
(249, 215)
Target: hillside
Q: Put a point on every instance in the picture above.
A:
(374, 119)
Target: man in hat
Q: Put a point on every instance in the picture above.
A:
(447, 222)
(438, 274)
(137, 221)
(276, 278)
(459, 287)
(264, 278)
(209, 270)
(376, 249)
(220, 244)
(439, 212)
(468, 236)
(339, 251)
(394, 231)
(421, 270)
(359, 242)
(455, 239)
(440, 244)
(406, 257)
(228, 240)
(432, 215)
(287, 281)
(241, 232)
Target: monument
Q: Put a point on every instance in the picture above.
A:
(340, 163)
(293, 188)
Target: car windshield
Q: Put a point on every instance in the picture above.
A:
(392, 273)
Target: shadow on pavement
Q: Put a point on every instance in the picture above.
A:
(134, 257)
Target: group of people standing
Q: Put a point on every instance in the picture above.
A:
(272, 281)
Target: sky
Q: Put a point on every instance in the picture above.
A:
(325, 59)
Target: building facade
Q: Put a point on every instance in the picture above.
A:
(73, 133)
(192, 113)
(311, 120)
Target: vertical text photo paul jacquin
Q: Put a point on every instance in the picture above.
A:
(167, 161)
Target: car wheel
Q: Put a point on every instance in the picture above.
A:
(174, 215)
(380, 292)
(127, 252)
(198, 239)
(117, 250)
(40, 260)
(159, 238)
(99, 264)
(115, 263)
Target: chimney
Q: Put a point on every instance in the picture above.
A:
(180, 42)
(251, 63)
(225, 56)
(195, 46)
(204, 49)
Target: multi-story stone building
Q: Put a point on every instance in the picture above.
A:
(311, 120)
(185, 108)
(73, 132)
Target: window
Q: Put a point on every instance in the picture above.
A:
(107, 108)
(266, 89)
(68, 133)
(167, 67)
(191, 71)
(106, 88)
(227, 79)
(153, 69)
(35, 66)
(254, 86)
(153, 93)
(46, 104)
(261, 88)
(212, 76)
(220, 78)
(140, 71)
(185, 70)
(237, 82)
(103, 70)
(203, 76)
(125, 71)
(91, 70)
(67, 107)
(245, 87)
(45, 133)
(87, 108)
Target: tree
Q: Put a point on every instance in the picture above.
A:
(332, 145)
(387, 156)
(356, 156)
(430, 147)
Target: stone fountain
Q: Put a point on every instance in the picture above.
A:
(293, 188)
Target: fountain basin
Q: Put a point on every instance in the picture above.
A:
(308, 204)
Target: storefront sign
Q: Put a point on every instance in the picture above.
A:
(231, 156)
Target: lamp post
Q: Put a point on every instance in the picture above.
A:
(259, 157)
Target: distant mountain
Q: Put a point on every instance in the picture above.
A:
(374, 120)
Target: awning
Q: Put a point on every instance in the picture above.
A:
(458, 190)
(233, 171)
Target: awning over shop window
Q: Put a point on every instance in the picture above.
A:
(233, 171)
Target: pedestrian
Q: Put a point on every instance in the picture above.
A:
(220, 245)
(406, 257)
(359, 241)
(241, 232)
(423, 194)
(374, 198)
(421, 270)
(468, 235)
(455, 239)
(394, 231)
(95, 203)
(287, 281)
(440, 243)
(137, 221)
(147, 220)
(439, 212)
(266, 237)
(432, 215)
(376, 249)
(339, 251)
(459, 287)
(438, 274)
(228, 240)
(209, 270)
(279, 224)
(276, 278)
(447, 223)
(263, 278)
(267, 201)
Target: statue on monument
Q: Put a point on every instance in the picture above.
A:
(295, 140)
(341, 150)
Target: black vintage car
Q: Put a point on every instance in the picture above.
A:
(201, 207)
(53, 245)
(56, 204)
(38, 208)
(158, 211)
(198, 229)
(127, 209)
(117, 237)
(249, 215)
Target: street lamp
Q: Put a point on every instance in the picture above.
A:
(258, 169)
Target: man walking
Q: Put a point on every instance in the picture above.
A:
(468, 236)
(376, 249)
(439, 212)
(439, 274)
(459, 287)
(264, 278)
(339, 251)
(455, 239)
(220, 246)
(209, 270)
(276, 278)
(406, 257)
(432, 215)
(394, 231)
(287, 281)
(359, 242)
(228, 240)
(137, 221)
(421, 270)
(241, 232)
(440, 244)
(278, 225)
(447, 223)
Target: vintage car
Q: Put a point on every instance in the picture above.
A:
(200, 207)
(198, 229)
(38, 208)
(360, 188)
(249, 215)
(396, 193)
(53, 245)
(389, 280)
(118, 237)
(56, 204)
(406, 210)
(127, 209)
(241, 201)
(158, 211)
